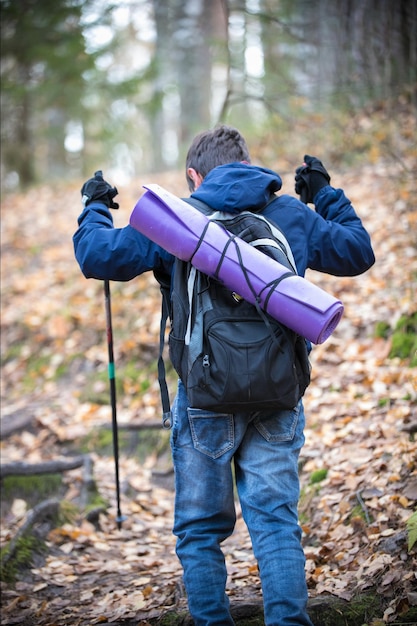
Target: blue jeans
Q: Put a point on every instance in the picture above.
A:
(265, 448)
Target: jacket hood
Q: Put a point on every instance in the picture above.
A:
(237, 187)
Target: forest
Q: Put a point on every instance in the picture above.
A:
(128, 83)
(123, 86)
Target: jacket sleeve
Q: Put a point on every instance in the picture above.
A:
(105, 252)
(338, 242)
(331, 239)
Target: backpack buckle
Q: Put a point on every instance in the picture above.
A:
(167, 420)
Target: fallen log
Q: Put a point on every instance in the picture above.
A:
(44, 467)
(140, 426)
(15, 422)
(47, 508)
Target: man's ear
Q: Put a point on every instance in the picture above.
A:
(195, 176)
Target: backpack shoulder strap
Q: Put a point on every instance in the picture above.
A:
(279, 236)
(199, 204)
(165, 287)
(276, 231)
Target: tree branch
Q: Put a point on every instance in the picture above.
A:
(39, 512)
(46, 467)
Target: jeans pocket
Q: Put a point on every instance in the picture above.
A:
(212, 433)
(278, 425)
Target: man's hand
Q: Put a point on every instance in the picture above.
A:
(310, 178)
(98, 189)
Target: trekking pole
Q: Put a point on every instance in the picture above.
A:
(112, 382)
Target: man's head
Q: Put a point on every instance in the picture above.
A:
(211, 148)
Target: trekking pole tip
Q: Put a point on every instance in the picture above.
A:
(119, 520)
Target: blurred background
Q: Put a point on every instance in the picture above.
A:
(126, 84)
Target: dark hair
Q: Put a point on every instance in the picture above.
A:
(211, 148)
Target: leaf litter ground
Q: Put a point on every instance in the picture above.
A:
(358, 467)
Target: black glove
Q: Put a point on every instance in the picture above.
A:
(97, 189)
(310, 178)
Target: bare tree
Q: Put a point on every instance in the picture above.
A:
(188, 36)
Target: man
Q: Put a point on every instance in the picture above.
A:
(263, 447)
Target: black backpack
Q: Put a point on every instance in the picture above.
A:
(231, 355)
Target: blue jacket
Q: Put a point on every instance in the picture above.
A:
(330, 239)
